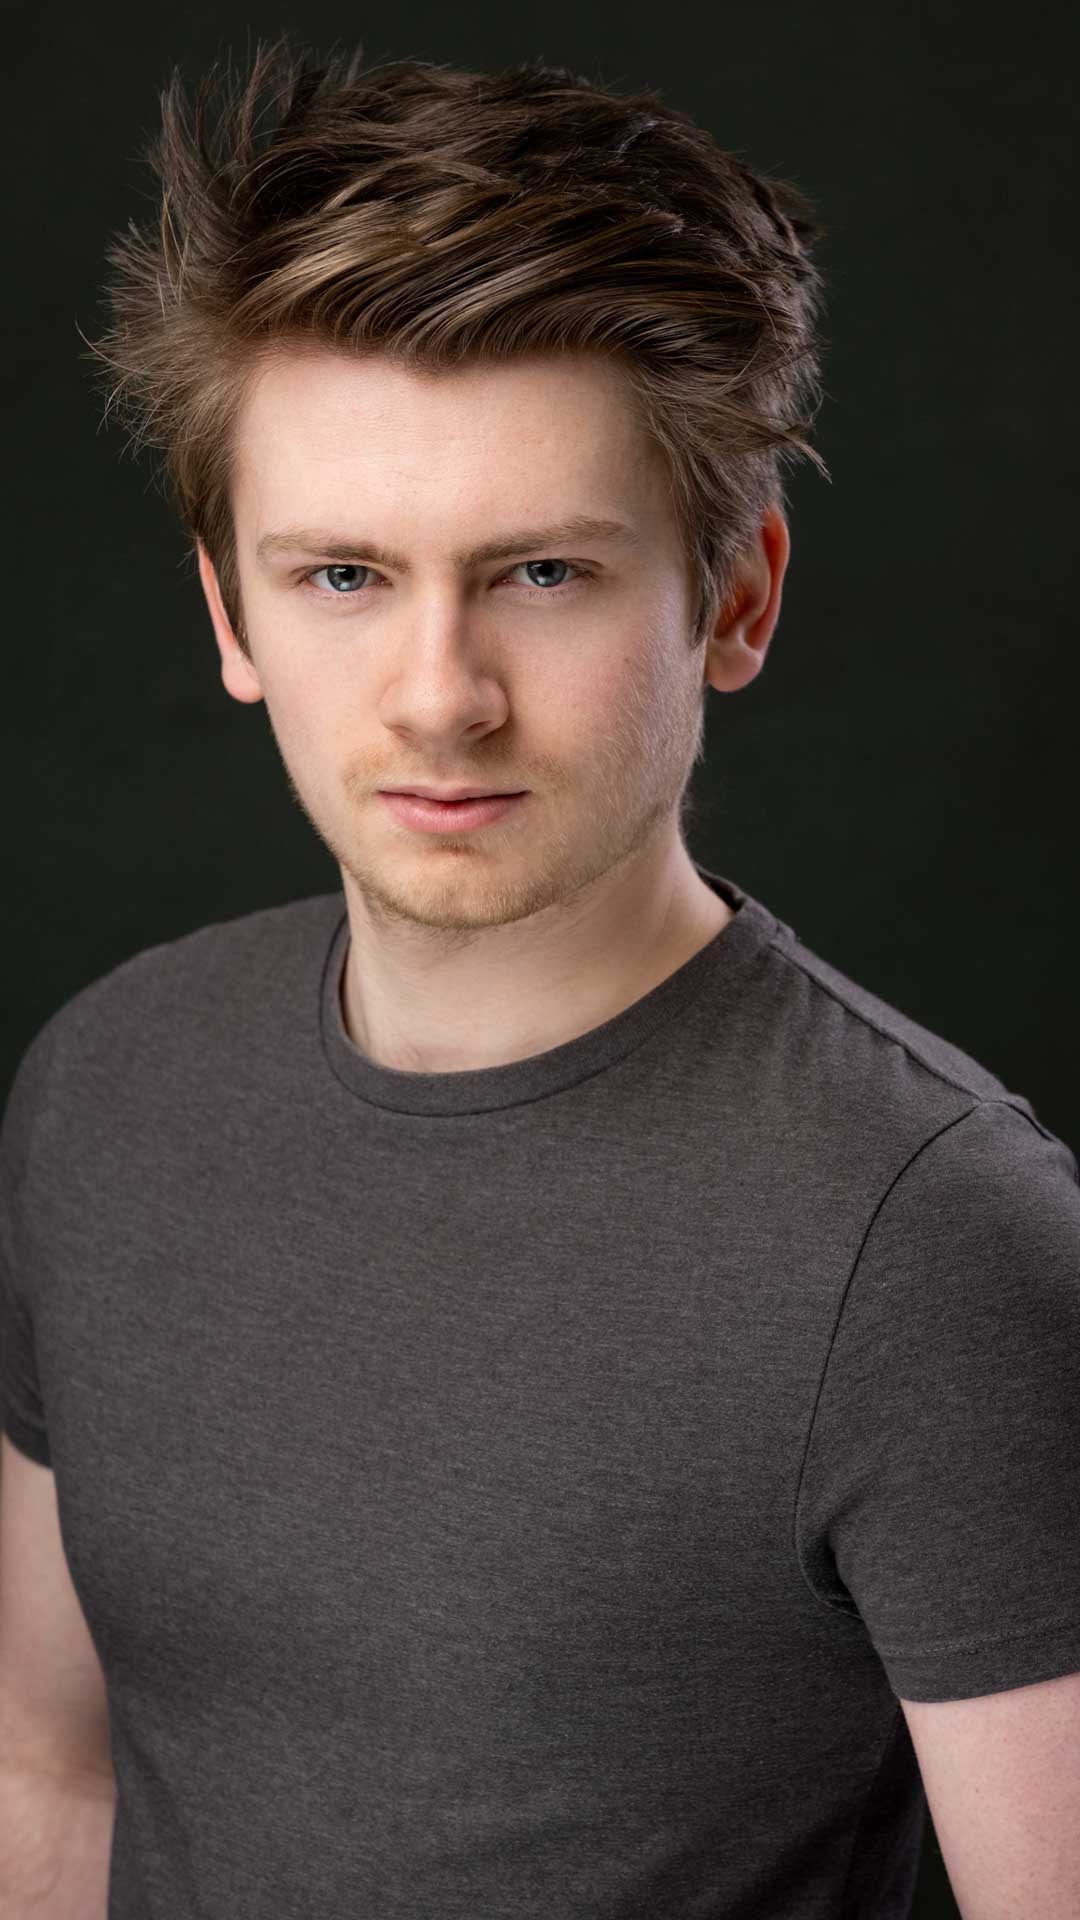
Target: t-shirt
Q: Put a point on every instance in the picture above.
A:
(530, 1491)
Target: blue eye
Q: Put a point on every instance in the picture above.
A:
(339, 569)
(340, 587)
(548, 586)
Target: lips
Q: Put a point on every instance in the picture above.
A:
(454, 799)
(453, 816)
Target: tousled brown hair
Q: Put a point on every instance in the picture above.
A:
(441, 217)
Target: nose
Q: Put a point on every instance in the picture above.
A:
(446, 682)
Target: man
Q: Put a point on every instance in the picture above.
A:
(558, 1401)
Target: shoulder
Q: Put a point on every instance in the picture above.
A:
(834, 999)
(168, 1000)
(853, 1067)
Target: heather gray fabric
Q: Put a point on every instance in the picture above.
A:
(527, 1491)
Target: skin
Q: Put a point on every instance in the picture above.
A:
(477, 949)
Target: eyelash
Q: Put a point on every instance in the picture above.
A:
(362, 593)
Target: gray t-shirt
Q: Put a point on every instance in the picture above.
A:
(527, 1491)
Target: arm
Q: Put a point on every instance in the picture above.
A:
(55, 1844)
(57, 1790)
(1002, 1779)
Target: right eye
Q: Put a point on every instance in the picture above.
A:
(338, 588)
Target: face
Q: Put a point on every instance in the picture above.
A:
(563, 667)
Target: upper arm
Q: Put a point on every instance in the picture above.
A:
(1002, 1778)
(53, 1707)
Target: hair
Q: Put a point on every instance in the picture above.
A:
(440, 217)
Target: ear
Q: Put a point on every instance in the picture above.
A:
(237, 672)
(737, 646)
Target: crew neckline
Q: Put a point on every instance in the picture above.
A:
(723, 964)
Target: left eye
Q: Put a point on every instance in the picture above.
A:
(548, 563)
(344, 589)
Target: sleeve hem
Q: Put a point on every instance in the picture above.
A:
(1020, 1660)
(31, 1440)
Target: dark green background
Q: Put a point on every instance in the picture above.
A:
(899, 784)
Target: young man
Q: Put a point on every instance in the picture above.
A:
(526, 1391)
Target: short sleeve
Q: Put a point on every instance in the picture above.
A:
(940, 1495)
(22, 1411)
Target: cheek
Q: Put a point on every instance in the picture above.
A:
(311, 720)
(600, 683)
(638, 689)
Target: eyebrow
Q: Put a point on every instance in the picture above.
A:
(336, 546)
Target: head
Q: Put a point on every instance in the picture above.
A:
(420, 309)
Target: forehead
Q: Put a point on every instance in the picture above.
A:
(509, 433)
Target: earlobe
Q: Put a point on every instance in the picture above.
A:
(238, 675)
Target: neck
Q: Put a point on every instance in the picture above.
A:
(440, 994)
